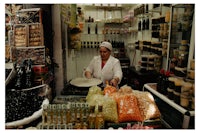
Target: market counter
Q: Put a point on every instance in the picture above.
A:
(173, 115)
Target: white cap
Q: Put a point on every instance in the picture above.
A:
(107, 45)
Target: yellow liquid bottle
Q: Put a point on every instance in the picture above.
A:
(91, 118)
(99, 121)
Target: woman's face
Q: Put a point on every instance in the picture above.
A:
(104, 53)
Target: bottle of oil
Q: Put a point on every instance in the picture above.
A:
(91, 118)
(99, 121)
(44, 114)
(78, 124)
(68, 115)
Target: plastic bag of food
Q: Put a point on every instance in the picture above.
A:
(125, 89)
(147, 105)
(93, 90)
(109, 90)
(109, 106)
(115, 95)
(128, 109)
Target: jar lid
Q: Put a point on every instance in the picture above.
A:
(169, 90)
(171, 79)
(178, 82)
(176, 93)
(184, 41)
(184, 96)
(180, 68)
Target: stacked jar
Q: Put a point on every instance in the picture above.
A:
(177, 90)
(191, 71)
(171, 87)
(186, 93)
(181, 92)
(181, 68)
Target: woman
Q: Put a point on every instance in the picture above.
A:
(105, 67)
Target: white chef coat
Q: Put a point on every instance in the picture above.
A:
(111, 69)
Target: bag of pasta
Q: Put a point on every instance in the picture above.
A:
(108, 90)
(93, 90)
(109, 106)
(125, 89)
(147, 105)
(128, 109)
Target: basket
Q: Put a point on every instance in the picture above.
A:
(43, 90)
(29, 119)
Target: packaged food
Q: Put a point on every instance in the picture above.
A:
(128, 109)
(109, 106)
(109, 90)
(147, 105)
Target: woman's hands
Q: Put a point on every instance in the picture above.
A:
(88, 75)
(114, 82)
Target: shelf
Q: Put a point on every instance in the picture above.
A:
(106, 7)
(32, 47)
(29, 10)
(144, 15)
(157, 10)
(181, 5)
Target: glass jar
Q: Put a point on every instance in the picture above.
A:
(184, 100)
(186, 88)
(170, 93)
(176, 97)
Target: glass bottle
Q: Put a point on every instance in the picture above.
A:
(85, 125)
(88, 29)
(91, 118)
(63, 108)
(147, 24)
(99, 121)
(68, 115)
(44, 114)
(143, 24)
(96, 29)
(78, 124)
(139, 25)
(51, 113)
(160, 79)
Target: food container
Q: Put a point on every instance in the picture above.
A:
(178, 84)
(144, 57)
(184, 100)
(35, 35)
(186, 88)
(193, 103)
(164, 45)
(184, 41)
(167, 16)
(191, 74)
(20, 35)
(180, 72)
(171, 82)
(170, 93)
(185, 25)
(144, 64)
(161, 26)
(193, 90)
(176, 97)
(184, 47)
(192, 64)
